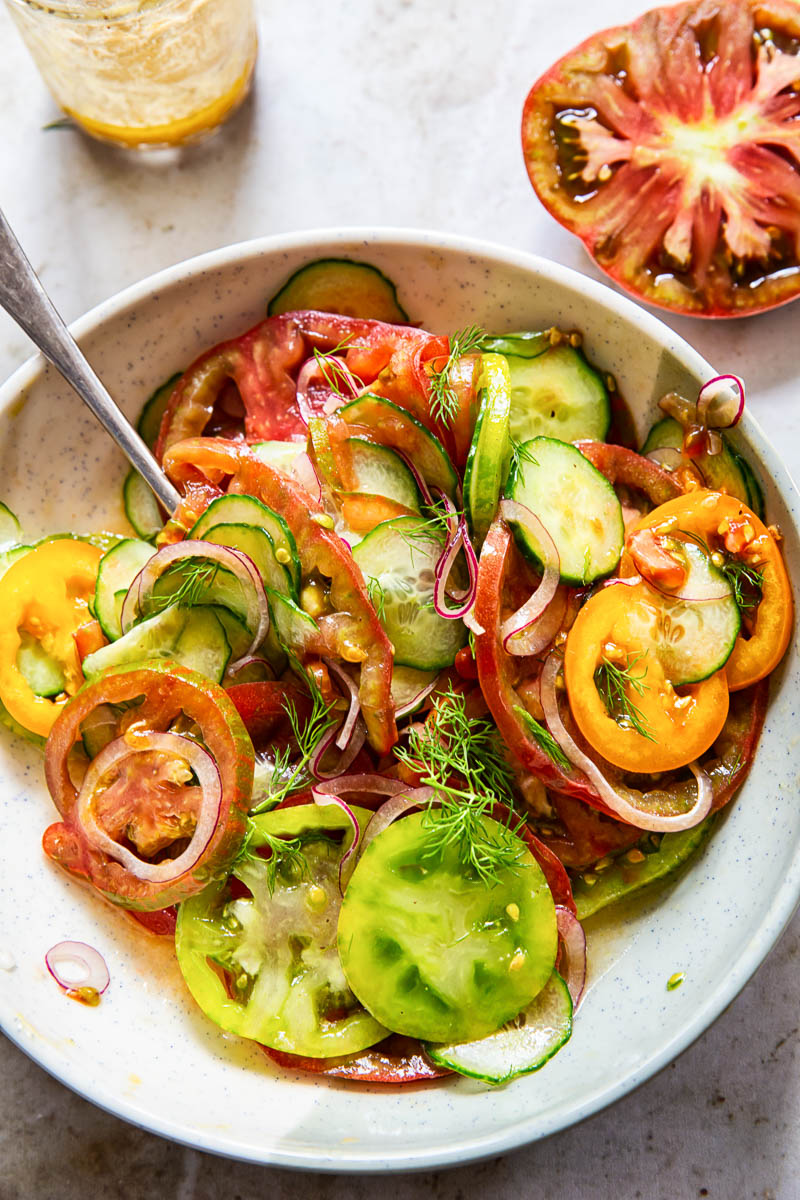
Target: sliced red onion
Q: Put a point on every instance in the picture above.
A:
(252, 660)
(400, 803)
(207, 773)
(714, 409)
(531, 612)
(405, 709)
(325, 743)
(245, 570)
(314, 369)
(472, 624)
(573, 940)
(347, 861)
(74, 966)
(349, 723)
(377, 784)
(465, 598)
(425, 491)
(303, 471)
(620, 800)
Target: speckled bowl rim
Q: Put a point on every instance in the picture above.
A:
(787, 894)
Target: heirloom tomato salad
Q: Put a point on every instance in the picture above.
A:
(428, 666)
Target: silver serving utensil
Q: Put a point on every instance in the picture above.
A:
(24, 299)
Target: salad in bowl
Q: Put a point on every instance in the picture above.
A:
(428, 664)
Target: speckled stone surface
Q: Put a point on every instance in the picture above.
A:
(403, 114)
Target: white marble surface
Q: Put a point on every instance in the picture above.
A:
(380, 113)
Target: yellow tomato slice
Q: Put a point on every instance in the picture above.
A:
(45, 594)
(713, 517)
(681, 725)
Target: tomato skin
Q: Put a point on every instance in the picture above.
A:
(168, 689)
(587, 835)
(361, 637)
(395, 1061)
(613, 134)
(263, 706)
(623, 466)
(161, 921)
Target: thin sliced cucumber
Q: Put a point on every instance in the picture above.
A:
(141, 506)
(401, 556)
(257, 545)
(755, 494)
(280, 455)
(294, 628)
(487, 464)
(596, 890)
(576, 504)
(194, 637)
(9, 526)
(520, 345)
(692, 638)
(722, 472)
(43, 674)
(149, 422)
(408, 684)
(246, 510)
(218, 587)
(99, 727)
(118, 568)
(392, 426)
(340, 285)
(557, 394)
(378, 471)
(518, 1048)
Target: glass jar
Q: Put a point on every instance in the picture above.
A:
(143, 72)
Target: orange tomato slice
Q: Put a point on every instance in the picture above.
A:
(678, 725)
(710, 516)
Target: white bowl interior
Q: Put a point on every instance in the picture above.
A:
(146, 1052)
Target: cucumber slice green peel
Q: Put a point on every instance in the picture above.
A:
(340, 285)
(9, 527)
(727, 471)
(118, 568)
(489, 454)
(521, 1046)
(393, 426)
(576, 504)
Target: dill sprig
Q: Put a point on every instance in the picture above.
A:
(521, 453)
(460, 758)
(291, 776)
(336, 374)
(613, 683)
(444, 400)
(544, 738)
(377, 596)
(197, 579)
(285, 854)
(747, 582)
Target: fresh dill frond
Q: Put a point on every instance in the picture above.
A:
(286, 855)
(460, 758)
(613, 682)
(521, 453)
(747, 582)
(377, 596)
(337, 374)
(197, 580)
(290, 775)
(544, 738)
(444, 400)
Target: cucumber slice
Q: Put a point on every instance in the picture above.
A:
(141, 506)
(392, 426)
(487, 463)
(280, 455)
(692, 638)
(99, 727)
(246, 510)
(149, 422)
(294, 628)
(557, 394)
(378, 471)
(401, 556)
(624, 877)
(257, 545)
(755, 494)
(576, 504)
(408, 684)
(722, 472)
(194, 637)
(43, 674)
(520, 1047)
(9, 526)
(520, 345)
(118, 568)
(340, 285)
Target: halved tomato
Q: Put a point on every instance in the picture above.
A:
(671, 147)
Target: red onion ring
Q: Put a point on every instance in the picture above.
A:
(251, 660)
(619, 800)
(203, 766)
(324, 744)
(321, 799)
(425, 491)
(532, 611)
(405, 709)
(400, 803)
(349, 723)
(377, 784)
(235, 561)
(74, 965)
(573, 940)
(730, 413)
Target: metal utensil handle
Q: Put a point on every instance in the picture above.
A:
(24, 298)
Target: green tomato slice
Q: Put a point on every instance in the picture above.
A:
(284, 985)
(434, 952)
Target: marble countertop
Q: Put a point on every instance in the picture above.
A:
(404, 114)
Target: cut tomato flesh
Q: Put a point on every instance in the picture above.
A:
(672, 148)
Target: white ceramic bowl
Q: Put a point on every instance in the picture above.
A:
(147, 1053)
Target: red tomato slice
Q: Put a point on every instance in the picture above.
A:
(671, 147)
(167, 691)
(161, 922)
(632, 470)
(395, 1060)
